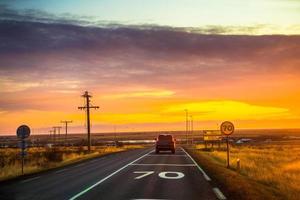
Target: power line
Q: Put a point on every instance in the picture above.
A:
(87, 107)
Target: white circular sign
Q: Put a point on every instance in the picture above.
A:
(227, 128)
(23, 131)
(178, 175)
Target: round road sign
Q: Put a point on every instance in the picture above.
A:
(227, 128)
(23, 131)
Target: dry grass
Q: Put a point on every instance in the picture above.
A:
(276, 164)
(40, 159)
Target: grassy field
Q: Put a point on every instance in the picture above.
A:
(40, 159)
(275, 165)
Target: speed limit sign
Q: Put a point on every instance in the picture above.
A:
(227, 128)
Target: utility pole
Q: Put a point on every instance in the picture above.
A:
(66, 122)
(192, 129)
(54, 135)
(87, 107)
(115, 131)
(186, 124)
(50, 133)
(56, 128)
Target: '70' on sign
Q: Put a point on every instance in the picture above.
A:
(227, 128)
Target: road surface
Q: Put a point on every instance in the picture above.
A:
(136, 174)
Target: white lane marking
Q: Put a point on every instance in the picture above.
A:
(107, 177)
(179, 175)
(202, 171)
(169, 155)
(165, 164)
(31, 179)
(219, 194)
(145, 173)
(59, 171)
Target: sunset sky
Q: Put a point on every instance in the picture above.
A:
(145, 62)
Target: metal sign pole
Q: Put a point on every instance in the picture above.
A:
(23, 132)
(22, 159)
(227, 152)
(227, 128)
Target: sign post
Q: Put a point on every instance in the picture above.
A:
(23, 132)
(227, 128)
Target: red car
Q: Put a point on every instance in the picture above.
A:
(165, 142)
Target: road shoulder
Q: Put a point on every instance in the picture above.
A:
(233, 184)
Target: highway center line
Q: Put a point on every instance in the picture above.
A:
(202, 171)
(107, 177)
(31, 179)
(165, 164)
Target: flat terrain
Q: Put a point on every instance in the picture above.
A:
(267, 168)
(136, 174)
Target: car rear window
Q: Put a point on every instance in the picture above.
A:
(165, 137)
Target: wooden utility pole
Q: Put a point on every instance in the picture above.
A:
(66, 122)
(56, 128)
(192, 129)
(186, 124)
(87, 107)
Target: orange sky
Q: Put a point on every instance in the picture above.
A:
(144, 79)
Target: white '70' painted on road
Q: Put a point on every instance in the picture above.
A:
(145, 173)
(178, 175)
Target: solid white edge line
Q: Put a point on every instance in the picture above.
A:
(31, 179)
(216, 190)
(219, 194)
(59, 171)
(202, 171)
(107, 177)
(81, 164)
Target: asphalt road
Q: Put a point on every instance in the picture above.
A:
(136, 174)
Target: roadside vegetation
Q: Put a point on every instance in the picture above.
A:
(267, 170)
(41, 158)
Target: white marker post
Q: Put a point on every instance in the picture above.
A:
(227, 128)
(23, 132)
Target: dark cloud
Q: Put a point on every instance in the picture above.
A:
(114, 55)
